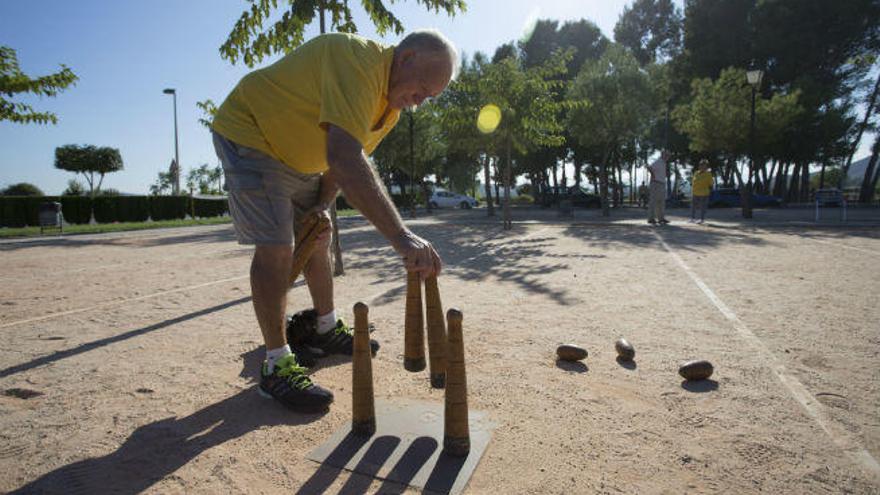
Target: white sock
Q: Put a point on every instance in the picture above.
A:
(326, 322)
(273, 355)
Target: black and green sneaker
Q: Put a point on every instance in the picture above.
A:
(339, 340)
(309, 345)
(289, 384)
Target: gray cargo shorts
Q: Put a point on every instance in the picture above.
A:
(265, 196)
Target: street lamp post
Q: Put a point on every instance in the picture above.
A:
(753, 77)
(173, 93)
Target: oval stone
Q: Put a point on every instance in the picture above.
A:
(696, 370)
(571, 352)
(625, 350)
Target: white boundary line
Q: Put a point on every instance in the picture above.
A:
(120, 302)
(808, 402)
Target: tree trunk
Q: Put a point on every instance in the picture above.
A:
(794, 183)
(619, 184)
(603, 192)
(822, 176)
(769, 179)
(765, 182)
(726, 174)
(507, 166)
(496, 177)
(805, 182)
(577, 173)
(869, 183)
(632, 184)
(555, 182)
(677, 181)
(781, 186)
(862, 126)
(488, 187)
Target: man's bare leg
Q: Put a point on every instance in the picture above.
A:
(269, 271)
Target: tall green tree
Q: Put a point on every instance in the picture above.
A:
(428, 148)
(89, 160)
(717, 122)
(465, 147)
(15, 82)
(617, 97)
(255, 36)
(530, 110)
(651, 30)
(813, 46)
(587, 43)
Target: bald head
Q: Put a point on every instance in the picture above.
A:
(432, 43)
(424, 63)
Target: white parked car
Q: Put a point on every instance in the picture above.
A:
(446, 199)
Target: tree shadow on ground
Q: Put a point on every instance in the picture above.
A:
(833, 233)
(156, 450)
(95, 344)
(473, 253)
(680, 238)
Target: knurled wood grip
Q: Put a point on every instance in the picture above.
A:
(414, 326)
(363, 417)
(305, 244)
(456, 434)
(436, 333)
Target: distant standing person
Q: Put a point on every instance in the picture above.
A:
(657, 201)
(701, 187)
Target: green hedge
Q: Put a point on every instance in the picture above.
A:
(22, 211)
(169, 207)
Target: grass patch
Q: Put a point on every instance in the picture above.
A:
(125, 226)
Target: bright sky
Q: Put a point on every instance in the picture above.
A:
(126, 52)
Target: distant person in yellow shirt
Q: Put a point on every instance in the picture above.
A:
(701, 187)
(290, 136)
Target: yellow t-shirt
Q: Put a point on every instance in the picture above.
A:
(283, 109)
(702, 183)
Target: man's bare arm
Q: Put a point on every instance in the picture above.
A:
(328, 193)
(350, 170)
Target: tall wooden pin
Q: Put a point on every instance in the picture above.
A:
(456, 434)
(436, 333)
(414, 325)
(363, 418)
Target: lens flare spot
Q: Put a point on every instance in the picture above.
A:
(489, 118)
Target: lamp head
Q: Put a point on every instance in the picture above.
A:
(754, 77)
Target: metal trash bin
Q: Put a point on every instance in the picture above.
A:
(51, 216)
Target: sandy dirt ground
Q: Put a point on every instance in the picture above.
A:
(128, 362)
